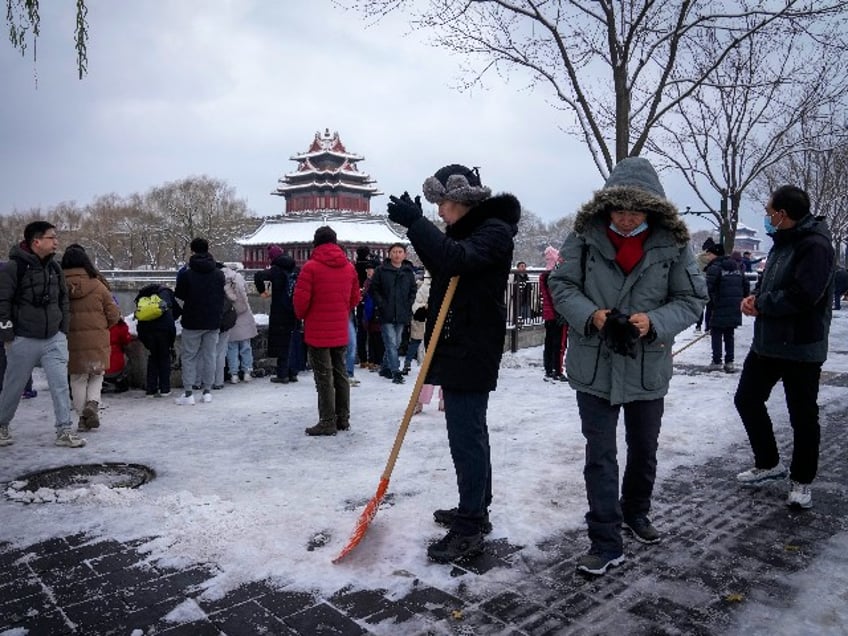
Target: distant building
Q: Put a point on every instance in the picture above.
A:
(746, 240)
(326, 188)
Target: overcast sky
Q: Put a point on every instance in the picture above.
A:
(232, 89)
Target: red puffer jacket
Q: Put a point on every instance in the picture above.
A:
(326, 292)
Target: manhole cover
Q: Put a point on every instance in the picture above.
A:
(75, 479)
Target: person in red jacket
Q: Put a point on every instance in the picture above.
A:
(327, 290)
(116, 374)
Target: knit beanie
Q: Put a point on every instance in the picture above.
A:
(456, 182)
(274, 251)
(551, 257)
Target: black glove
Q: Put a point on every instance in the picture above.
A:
(404, 210)
(420, 314)
(619, 334)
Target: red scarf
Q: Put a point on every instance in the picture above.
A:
(628, 249)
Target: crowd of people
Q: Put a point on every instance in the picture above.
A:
(624, 283)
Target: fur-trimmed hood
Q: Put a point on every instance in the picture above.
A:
(632, 185)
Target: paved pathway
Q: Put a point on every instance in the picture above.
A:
(723, 546)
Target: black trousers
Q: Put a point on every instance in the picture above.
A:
(159, 344)
(801, 388)
(552, 352)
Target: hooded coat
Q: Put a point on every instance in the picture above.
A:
(38, 307)
(795, 294)
(478, 248)
(236, 290)
(327, 290)
(93, 311)
(727, 286)
(201, 288)
(666, 284)
(281, 319)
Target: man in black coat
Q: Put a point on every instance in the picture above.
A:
(477, 246)
(200, 287)
(727, 286)
(792, 307)
(393, 288)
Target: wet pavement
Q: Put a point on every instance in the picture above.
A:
(723, 546)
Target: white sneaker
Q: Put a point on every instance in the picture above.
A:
(353, 381)
(68, 439)
(247, 376)
(184, 400)
(759, 476)
(715, 366)
(800, 495)
(5, 437)
(233, 379)
(206, 397)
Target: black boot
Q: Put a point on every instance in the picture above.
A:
(321, 429)
(397, 377)
(446, 518)
(455, 546)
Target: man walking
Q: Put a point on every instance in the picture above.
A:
(327, 290)
(393, 288)
(792, 310)
(200, 287)
(34, 318)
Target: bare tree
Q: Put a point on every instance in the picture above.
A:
(619, 66)
(823, 172)
(751, 114)
(23, 18)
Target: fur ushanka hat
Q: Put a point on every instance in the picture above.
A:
(456, 183)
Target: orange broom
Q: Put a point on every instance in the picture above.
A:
(371, 508)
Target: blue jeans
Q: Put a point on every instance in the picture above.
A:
(22, 355)
(392, 333)
(240, 350)
(412, 351)
(350, 355)
(468, 436)
(599, 420)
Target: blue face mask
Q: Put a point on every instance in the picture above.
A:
(637, 230)
(768, 225)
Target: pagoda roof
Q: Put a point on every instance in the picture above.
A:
(327, 144)
(285, 187)
(301, 229)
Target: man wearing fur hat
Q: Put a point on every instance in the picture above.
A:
(477, 246)
(628, 257)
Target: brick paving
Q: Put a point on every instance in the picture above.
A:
(723, 546)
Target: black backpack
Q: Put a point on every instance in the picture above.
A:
(229, 317)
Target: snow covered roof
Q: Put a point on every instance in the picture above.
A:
(301, 229)
(327, 144)
(333, 185)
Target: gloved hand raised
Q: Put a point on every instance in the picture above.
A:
(404, 210)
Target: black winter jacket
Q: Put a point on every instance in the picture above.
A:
(393, 289)
(40, 307)
(795, 294)
(478, 248)
(727, 286)
(201, 288)
(281, 320)
(165, 322)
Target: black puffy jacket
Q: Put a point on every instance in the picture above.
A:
(478, 248)
(727, 286)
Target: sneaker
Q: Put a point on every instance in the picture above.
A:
(800, 495)
(69, 440)
(206, 397)
(446, 518)
(164, 394)
(597, 563)
(729, 367)
(151, 394)
(185, 400)
(560, 377)
(248, 375)
(321, 429)
(455, 546)
(406, 369)
(5, 437)
(353, 381)
(217, 387)
(759, 476)
(277, 380)
(642, 529)
(293, 378)
(715, 366)
(233, 379)
(397, 378)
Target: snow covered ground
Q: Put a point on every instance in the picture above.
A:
(240, 486)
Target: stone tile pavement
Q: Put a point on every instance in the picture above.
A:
(723, 546)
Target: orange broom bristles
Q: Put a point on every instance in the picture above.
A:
(364, 520)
